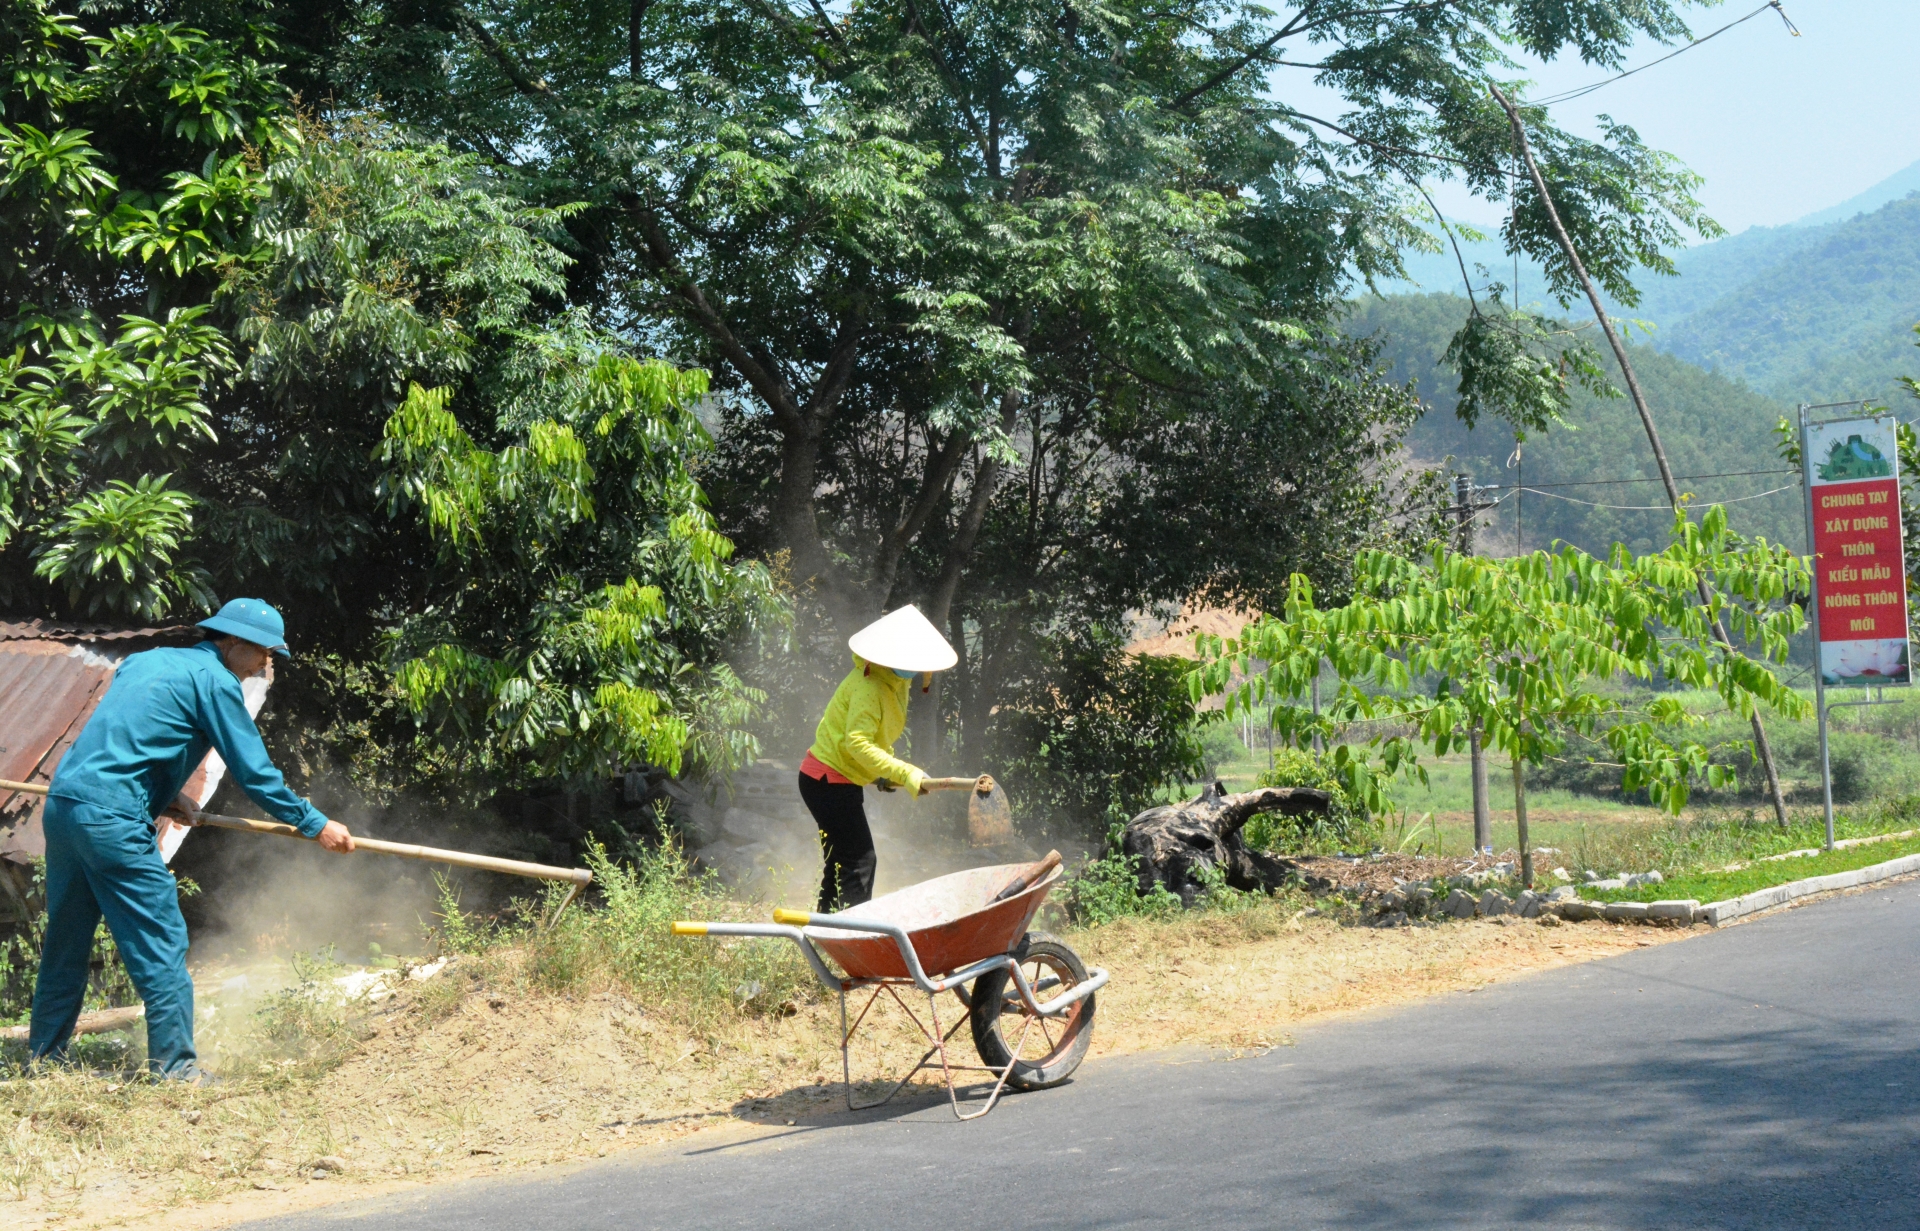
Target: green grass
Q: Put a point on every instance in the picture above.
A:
(1711, 886)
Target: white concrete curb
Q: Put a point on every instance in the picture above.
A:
(1717, 913)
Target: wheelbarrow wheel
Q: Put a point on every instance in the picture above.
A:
(1054, 1046)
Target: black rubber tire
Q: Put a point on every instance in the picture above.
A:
(996, 1007)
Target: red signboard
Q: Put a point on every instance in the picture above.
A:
(1856, 542)
(1859, 576)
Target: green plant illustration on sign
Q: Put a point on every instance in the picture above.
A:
(1855, 459)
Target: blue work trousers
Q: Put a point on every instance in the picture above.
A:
(101, 862)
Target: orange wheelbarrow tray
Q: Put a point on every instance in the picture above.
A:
(938, 937)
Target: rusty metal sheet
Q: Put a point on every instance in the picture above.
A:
(51, 678)
(47, 630)
(47, 692)
(42, 696)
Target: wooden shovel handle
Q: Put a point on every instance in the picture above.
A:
(983, 784)
(1029, 876)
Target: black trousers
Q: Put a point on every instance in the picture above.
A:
(840, 810)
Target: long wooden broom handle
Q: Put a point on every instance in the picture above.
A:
(580, 877)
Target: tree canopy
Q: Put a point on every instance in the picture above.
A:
(418, 316)
(333, 367)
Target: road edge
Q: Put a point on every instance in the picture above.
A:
(1714, 914)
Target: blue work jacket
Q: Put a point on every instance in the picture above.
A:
(162, 712)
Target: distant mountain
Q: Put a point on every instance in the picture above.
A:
(1822, 314)
(1712, 271)
(1893, 188)
(1818, 310)
(1596, 477)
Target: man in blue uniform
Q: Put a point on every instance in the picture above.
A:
(162, 713)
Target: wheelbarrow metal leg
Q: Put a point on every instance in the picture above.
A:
(846, 1040)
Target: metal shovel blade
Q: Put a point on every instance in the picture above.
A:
(989, 817)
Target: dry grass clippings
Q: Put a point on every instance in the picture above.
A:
(483, 1068)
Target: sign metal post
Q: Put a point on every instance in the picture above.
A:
(1851, 473)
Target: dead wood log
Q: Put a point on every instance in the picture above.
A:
(99, 1022)
(1177, 845)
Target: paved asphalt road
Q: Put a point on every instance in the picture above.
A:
(1761, 1076)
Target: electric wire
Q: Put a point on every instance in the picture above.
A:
(1723, 474)
(1588, 89)
(1664, 507)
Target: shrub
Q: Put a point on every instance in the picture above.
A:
(1105, 889)
(619, 936)
(1093, 730)
(309, 1023)
(1219, 745)
(1346, 823)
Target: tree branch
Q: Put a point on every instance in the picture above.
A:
(960, 93)
(636, 13)
(523, 81)
(1298, 26)
(935, 479)
(762, 378)
(835, 377)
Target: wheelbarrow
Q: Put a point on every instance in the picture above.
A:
(940, 936)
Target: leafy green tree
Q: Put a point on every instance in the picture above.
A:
(512, 520)
(129, 165)
(931, 214)
(1093, 734)
(332, 366)
(1527, 650)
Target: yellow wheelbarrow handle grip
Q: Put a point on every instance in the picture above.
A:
(683, 928)
(798, 918)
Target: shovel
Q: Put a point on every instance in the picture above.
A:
(989, 816)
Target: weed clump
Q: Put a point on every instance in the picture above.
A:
(1103, 890)
(619, 936)
(304, 1029)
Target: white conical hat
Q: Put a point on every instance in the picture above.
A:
(904, 640)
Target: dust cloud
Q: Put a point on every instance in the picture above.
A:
(262, 895)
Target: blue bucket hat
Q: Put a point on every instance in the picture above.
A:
(251, 620)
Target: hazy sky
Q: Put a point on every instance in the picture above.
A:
(1779, 126)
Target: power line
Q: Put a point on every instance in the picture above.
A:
(1724, 474)
(1662, 507)
(1588, 89)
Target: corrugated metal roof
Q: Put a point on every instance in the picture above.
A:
(48, 630)
(48, 689)
(45, 694)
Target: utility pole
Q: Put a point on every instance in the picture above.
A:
(1760, 742)
(1466, 503)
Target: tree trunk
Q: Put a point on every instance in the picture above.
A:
(1482, 816)
(1180, 847)
(1761, 744)
(939, 607)
(1520, 819)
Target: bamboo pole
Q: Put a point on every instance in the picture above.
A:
(1761, 744)
(579, 877)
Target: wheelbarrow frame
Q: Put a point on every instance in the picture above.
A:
(792, 924)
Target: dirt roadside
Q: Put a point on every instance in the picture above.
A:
(473, 1083)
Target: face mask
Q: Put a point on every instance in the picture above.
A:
(905, 675)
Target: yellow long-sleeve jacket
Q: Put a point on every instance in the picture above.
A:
(856, 734)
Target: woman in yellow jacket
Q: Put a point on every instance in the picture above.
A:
(853, 746)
